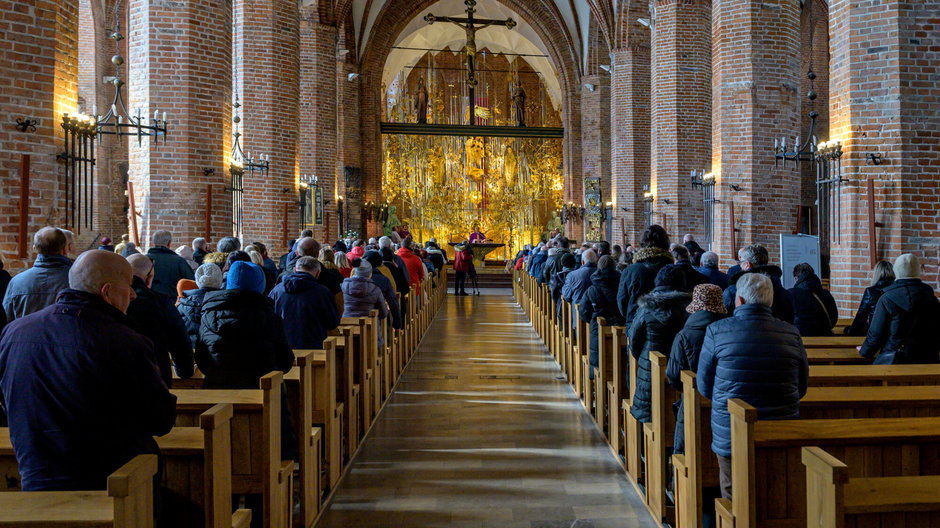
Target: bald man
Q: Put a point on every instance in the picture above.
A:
(158, 319)
(329, 277)
(80, 386)
(34, 289)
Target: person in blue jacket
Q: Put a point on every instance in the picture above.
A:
(306, 306)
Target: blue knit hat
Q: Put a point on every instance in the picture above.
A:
(245, 276)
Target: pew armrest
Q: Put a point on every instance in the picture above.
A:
(681, 468)
(723, 513)
(241, 519)
(892, 494)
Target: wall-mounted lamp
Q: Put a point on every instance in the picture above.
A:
(645, 22)
(589, 86)
(734, 187)
(29, 125)
(208, 171)
(874, 158)
(352, 77)
(648, 196)
(605, 67)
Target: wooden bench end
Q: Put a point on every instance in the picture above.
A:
(217, 415)
(140, 470)
(831, 468)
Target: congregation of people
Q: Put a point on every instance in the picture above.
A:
(739, 330)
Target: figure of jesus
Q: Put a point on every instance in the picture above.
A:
(421, 102)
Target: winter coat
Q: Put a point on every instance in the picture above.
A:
(692, 276)
(783, 301)
(241, 338)
(437, 258)
(361, 296)
(684, 356)
(157, 318)
(714, 275)
(661, 315)
(904, 327)
(866, 309)
(388, 293)
(639, 279)
(693, 247)
(814, 310)
(600, 300)
(552, 266)
(190, 308)
(576, 283)
(462, 260)
(34, 289)
(556, 285)
(199, 254)
(734, 270)
(413, 266)
(538, 262)
(168, 269)
(82, 393)
(756, 357)
(307, 308)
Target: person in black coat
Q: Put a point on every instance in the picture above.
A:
(692, 276)
(557, 282)
(306, 306)
(158, 319)
(660, 317)
(814, 310)
(754, 259)
(638, 278)
(690, 244)
(600, 301)
(904, 327)
(80, 386)
(882, 276)
(4, 281)
(208, 279)
(200, 247)
(706, 308)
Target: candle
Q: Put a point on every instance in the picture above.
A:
(164, 117)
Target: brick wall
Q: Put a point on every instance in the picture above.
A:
(595, 133)
(630, 137)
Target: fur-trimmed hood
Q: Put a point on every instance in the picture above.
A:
(650, 253)
(661, 303)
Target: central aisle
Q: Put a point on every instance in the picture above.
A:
(481, 431)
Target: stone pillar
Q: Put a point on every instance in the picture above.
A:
(630, 136)
(318, 116)
(595, 135)
(897, 117)
(180, 62)
(756, 97)
(267, 64)
(681, 112)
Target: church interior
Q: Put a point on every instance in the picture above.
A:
(470, 263)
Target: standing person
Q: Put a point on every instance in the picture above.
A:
(34, 289)
(709, 269)
(689, 242)
(706, 308)
(106, 245)
(208, 279)
(169, 267)
(661, 314)
(477, 237)
(639, 278)
(462, 259)
(753, 356)
(125, 238)
(158, 319)
(904, 327)
(306, 306)
(79, 385)
(882, 276)
(692, 276)
(754, 259)
(200, 249)
(814, 310)
(600, 300)
(416, 270)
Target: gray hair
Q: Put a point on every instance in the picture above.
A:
(307, 264)
(589, 256)
(756, 288)
(710, 259)
(756, 254)
(199, 243)
(228, 244)
(161, 237)
(385, 242)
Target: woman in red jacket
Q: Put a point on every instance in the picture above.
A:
(462, 260)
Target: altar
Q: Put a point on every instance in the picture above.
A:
(479, 250)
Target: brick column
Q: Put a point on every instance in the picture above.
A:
(681, 111)
(180, 61)
(756, 47)
(318, 111)
(630, 137)
(595, 134)
(898, 116)
(267, 62)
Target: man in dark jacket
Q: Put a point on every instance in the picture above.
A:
(661, 315)
(81, 388)
(568, 264)
(553, 264)
(692, 277)
(814, 310)
(638, 278)
(158, 319)
(169, 267)
(282, 261)
(329, 277)
(208, 279)
(904, 327)
(306, 306)
(578, 281)
(34, 289)
(753, 356)
(600, 301)
(689, 243)
(754, 259)
(709, 269)
(199, 249)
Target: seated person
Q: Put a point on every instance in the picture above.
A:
(208, 279)
(307, 307)
(361, 295)
(814, 310)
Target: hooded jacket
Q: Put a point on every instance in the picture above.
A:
(904, 327)
(684, 356)
(157, 319)
(814, 310)
(82, 392)
(639, 279)
(362, 296)
(190, 308)
(34, 289)
(756, 357)
(600, 301)
(307, 308)
(783, 301)
(168, 269)
(866, 309)
(436, 256)
(415, 267)
(660, 316)
(538, 261)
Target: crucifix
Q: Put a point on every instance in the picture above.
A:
(471, 25)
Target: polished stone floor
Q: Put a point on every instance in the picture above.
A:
(481, 431)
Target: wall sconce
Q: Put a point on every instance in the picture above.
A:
(700, 178)
(352, 77)
(605, 67)
(735, 188)
(648, 196)
(589, 86)
(874, 158)
(29, 125)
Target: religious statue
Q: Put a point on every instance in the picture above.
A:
(518, 99)
(421, 102)
(391, 222)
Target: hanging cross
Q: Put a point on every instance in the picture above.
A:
(471, 25)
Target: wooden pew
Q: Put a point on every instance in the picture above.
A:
(301, 398)
(632, 430)
(582, 339)
(836, 341)
(257, 467)
(835, 499)
(128, 502)
(603, 374)
(615, 388)
(362, 351)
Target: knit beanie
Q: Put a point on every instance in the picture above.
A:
(208, 276)
(374, 258)
(907, 266)
(364, 269)
(672, 277)
(568, 261)
(245, 276)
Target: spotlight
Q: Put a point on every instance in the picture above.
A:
(645, 22)
(589, 86)
(605, 67)
(352, 77)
